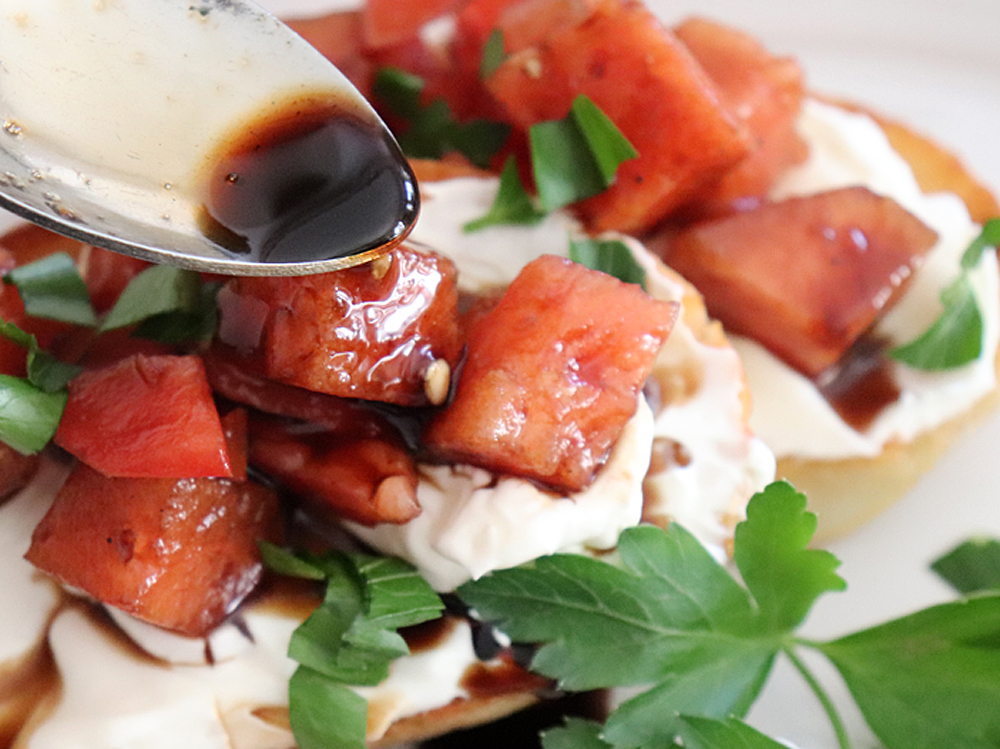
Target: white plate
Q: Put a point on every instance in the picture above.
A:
(935, 66)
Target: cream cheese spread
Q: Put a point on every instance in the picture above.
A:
(789, 413)
(30, 597)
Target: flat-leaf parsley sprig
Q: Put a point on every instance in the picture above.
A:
(668, 617)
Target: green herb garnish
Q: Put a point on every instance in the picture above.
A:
(158, 290)
(572, 159)
(576, 157)
(667, 616)
(988, 237)
(29, 415)
(612, 256)
(350, 639)
(972, 566)
(53, 289)
(493, 54)
(31, 407)
(431, 131)
(512, 204)
(955, 338)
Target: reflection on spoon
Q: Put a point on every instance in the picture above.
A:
(199, 133)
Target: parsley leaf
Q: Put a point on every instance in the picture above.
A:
(954, 339)
(698, 732)
(972, 566)
(576, 157)
(612, 256)
(52, 288)
(431, 129)
(770, 551)
(930, 679)
(350, 638)
(575, 733)
(158, 290)
(44, 371)
(512, 204)
(988, 237)
(29, 415)
(667, 616)
(493, 54)
(325, 714)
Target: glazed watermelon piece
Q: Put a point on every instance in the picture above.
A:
(804, 277)
(765, 91)
(552, 375)
(642, 77)
(145, 416)
(180, 554)
(390, 22)
(367, 479)
(368, 332)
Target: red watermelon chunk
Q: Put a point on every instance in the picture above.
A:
(652, 88)
(552, 375)
(804, 277)
(368, 479)
(765, 92)
(368, 332)
(180, 554)
(145, 416)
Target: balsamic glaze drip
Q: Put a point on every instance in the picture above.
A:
(318, 181)
(860, 385)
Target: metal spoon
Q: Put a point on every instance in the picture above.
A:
(198, 133)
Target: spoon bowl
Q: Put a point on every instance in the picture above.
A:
(198, 133)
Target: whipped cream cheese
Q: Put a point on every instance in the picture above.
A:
(117, 696)
(472, 522)
(789, 413)
(30, 597)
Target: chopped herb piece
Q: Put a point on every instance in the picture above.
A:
(44, 370)
(400, 91)
(512, 204)
(493, 54)
(325, 714)
(349, 639)
(284, 562)
(576, 157)
(612, 256)
(955, 338)
(159, 289)
(48, 373)
(988, 237)
(52, 288)
(183, 325)
(431, 130)
(972, 566)
(607, 144)
(29, 415)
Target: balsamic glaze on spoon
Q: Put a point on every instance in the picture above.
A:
(318, 180)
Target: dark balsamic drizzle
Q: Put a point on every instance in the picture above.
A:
(317, 181)
(861, 385)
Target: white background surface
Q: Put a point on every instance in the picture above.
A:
(936, 66)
